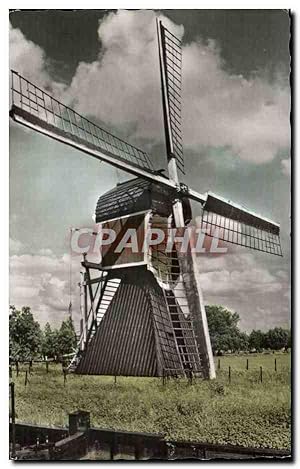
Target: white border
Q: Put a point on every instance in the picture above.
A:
(88, 4)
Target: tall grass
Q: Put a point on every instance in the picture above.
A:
(243, 412)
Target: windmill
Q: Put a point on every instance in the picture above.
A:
(142, 313)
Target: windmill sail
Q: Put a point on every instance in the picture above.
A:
(37, 109)
(237, 225)
(170, 56)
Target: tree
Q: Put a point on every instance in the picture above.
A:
(277, 338)
(66, 338)
(49, 342)
(257, 340)
(242, 341)
(25, 335)
(223, 328)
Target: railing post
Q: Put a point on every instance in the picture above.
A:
(261, 374)
(13, 420)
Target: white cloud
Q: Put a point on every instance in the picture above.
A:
(237, 273)
(27, 58)
(42, 282)
(30, 61)
(45, 252)
(122, 89)
(249, 115)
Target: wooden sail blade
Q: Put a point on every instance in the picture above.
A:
(35, 108)
(170, 56)
(235, 224)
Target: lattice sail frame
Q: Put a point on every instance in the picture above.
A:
(171, 66)
(235, 224)
(40, 107)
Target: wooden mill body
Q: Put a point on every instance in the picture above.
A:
(144, 328)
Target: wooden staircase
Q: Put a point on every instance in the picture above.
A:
(166, 268)
(108, 288)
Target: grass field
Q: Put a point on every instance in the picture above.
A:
(243, 412)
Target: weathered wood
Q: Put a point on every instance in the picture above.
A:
(85, 313)
(13, 419)
(261, 374)
(197, 310)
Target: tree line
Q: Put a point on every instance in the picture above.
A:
(226, 336)
(27, 340)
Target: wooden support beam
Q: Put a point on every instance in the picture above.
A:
(92, 265)
(92, 281)
(26, 119)
(85, 313)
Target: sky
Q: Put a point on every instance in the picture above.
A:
(236, 134)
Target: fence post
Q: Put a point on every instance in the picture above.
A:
(229, 374)
(219, 363)
(47, 366)
(115, 379)
(13, 420)
(26, 378)
(163, 377)
(65, 376)
(275, 363)
(260, 374)
(247, 364)
(17, 367)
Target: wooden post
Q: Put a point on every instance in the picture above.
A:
(13, 420)
(260, 374)
(163, 377)
(26, 378)
(247, 364)
(275, 364)
(17, 367)
(219, 363)
(47, 366)
(115, 379)
(85, 311)
(229, 374)
(191, 282)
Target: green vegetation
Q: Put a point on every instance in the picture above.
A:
(225, 333)
(244, 412)
(27, 340)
